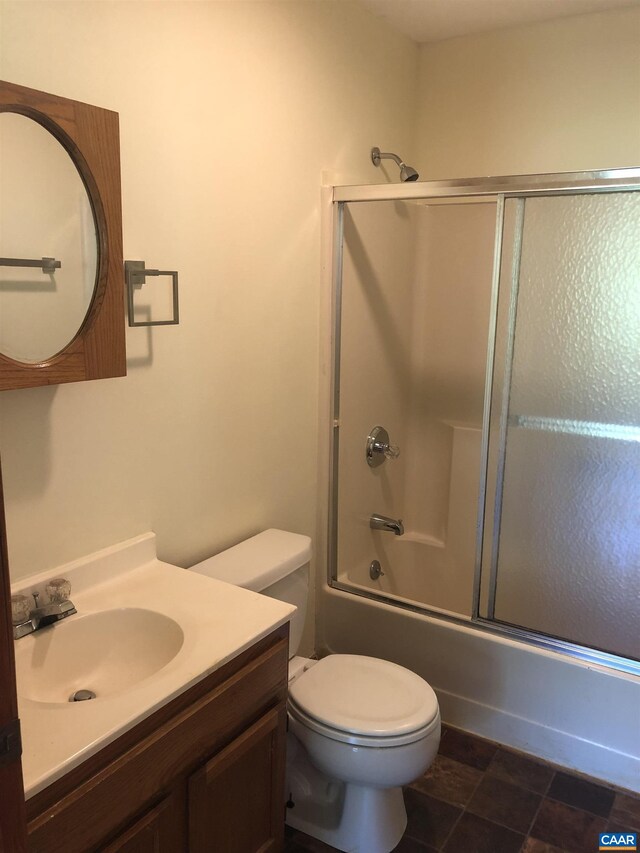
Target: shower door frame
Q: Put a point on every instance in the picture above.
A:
(496, 189)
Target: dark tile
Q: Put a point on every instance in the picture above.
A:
(616, 826)
(467, 748)
(449, 780)
(298, 842)
(566, 827)
(474, 834)
(581, 794)
(429, 820)
(410, 845)
(534, 845)
(626, 809)
(520, 770)
(504, 803)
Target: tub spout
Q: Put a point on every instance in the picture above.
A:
(381, 522)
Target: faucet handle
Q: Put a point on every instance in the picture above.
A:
(58, 590)
(20, 609)
(392, 451)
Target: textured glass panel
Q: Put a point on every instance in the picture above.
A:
(577, 346)
(569, 553)
(569, 542)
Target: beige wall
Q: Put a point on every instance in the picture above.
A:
(229, 115)
(557, 96)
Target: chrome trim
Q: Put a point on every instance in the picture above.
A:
(518, 185)
(486, 412)
(389, 525)
(375, 570)
(45, 265)
(503, 394)
(135, 275)
(334, 437)
(42, 617)
(560, 646)
(407, 173)
(505, 631)
(378, 448)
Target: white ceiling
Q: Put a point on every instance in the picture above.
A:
(434, 20)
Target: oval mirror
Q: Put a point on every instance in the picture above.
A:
(45, 213)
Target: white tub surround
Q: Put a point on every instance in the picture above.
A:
(575, 714)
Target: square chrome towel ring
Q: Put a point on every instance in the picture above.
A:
(135, 274)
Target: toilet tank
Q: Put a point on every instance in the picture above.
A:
(274, 563)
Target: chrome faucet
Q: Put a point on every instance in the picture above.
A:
(381, 522)
(379, 448)
(28, 619)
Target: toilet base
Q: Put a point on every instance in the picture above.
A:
(353, 818)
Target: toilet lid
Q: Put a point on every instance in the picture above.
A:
(365, 695)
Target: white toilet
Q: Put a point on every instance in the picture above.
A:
(359, 727)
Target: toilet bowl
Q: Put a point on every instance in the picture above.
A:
(368, 727)
(359, 727)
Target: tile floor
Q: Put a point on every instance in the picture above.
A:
(478, 797)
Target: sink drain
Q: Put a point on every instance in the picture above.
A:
(82, 696)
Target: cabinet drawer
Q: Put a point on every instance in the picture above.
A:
(98, 808)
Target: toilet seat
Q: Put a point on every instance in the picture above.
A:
(361, 740)
(364, 701)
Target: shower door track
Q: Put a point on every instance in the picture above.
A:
(495, 189)
(559, 183)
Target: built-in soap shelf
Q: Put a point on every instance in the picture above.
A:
(588, 429)
(465, 459)
(458, 425)
(422, 539)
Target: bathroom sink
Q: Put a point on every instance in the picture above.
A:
(144, 633)
(105, 652)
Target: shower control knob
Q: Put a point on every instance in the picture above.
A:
(375, 570)
(378, 448)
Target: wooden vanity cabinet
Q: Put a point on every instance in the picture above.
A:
(205, 773)
(157, 831)
(231, 798)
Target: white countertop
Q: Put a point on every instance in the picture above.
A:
(218, 620)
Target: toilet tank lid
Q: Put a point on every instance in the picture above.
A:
(259, 561)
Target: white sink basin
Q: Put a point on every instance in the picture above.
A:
(105, 652)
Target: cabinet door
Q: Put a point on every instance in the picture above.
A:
(236, 801)
(157, 831)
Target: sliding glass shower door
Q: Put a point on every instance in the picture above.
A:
(562, 552)
(492, 329)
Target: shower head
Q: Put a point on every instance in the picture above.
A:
(407, 173)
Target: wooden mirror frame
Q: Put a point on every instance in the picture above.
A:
(90, 136)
